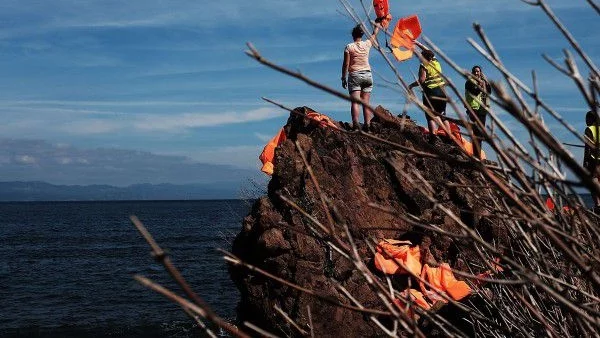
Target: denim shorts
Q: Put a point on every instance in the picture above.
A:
(360, 80)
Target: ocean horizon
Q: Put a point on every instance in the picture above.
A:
(67, 267)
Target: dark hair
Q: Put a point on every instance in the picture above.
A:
(475, 67)
(427, 54)
(590, 118)
(357, 32)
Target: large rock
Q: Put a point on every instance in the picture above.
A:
(360, 178)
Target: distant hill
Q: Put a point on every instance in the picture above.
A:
(42, 191)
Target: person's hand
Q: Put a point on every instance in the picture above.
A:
(344, 83)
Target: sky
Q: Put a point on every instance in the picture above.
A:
(93, 87)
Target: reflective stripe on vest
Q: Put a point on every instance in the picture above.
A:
(474, 101)
(594, 130)
(433, 71)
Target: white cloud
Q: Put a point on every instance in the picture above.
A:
(195, 120)
(263, 137)
(62, 145)
(156, 13)
(41, 160)
(46, 105)
(152, 13)
(315, 58)
(25, 159)
(238, 156)
(30, 108)
(77, 121)
(92, 126)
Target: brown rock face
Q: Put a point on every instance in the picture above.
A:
(371, 186)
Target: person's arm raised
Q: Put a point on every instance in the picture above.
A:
(373, 37)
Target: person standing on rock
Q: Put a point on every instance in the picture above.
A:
(477, 89)
(591, 152)
(359, 81)
(431, 81)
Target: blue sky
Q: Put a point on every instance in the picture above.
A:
(91, 82)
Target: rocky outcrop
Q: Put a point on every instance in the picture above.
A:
(373, 185)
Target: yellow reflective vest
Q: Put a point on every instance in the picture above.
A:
(474, 101)
(594, 130)
(433, 71)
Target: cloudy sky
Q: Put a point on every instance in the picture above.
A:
(90, 83)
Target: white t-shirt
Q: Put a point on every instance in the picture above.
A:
(359, 55)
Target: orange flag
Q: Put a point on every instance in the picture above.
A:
(403, 39)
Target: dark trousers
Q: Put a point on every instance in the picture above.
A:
(435, 99)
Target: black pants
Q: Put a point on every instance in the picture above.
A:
(481, 114)
(435, 99)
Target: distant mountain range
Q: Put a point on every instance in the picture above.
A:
(42, 191)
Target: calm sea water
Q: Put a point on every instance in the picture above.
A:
(66, 267)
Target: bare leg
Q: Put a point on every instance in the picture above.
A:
(447, 124)
(367, 113)
(355, 108)
(432, 126)
(477, 147)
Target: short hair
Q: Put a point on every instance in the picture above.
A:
(591, 118)
(475, 67)
(427, 54)
(357, 32)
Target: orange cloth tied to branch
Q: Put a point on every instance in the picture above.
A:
(382, 8)
(268, 153)
(403, 39)
(455, 131)
(390, 252)
(382, 11)
(489, 273)
(442, 280)
(322, 120)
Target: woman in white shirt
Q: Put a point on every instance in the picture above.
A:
(360, 81)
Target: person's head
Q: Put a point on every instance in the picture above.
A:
(476, 70)
(357, 32)
(427, 55)
(590, 118)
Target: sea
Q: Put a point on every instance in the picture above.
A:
(66, 268)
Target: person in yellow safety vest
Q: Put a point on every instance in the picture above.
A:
(477, 89)
(431, 81)
(591, 153)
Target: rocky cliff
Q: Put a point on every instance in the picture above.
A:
(388, 183)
